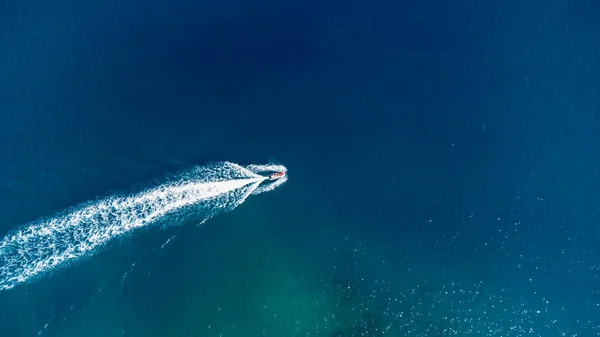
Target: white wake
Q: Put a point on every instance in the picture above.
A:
(44, 245)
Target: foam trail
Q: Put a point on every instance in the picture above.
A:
(45, 245)
(259, 169)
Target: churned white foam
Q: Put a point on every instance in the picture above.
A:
(260, 169)
(44, 245)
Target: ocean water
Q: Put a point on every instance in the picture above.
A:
(442, 161)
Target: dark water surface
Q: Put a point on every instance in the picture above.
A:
(443, 164)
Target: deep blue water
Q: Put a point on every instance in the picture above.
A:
(443, 164)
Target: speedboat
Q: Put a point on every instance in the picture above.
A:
(276, 175)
